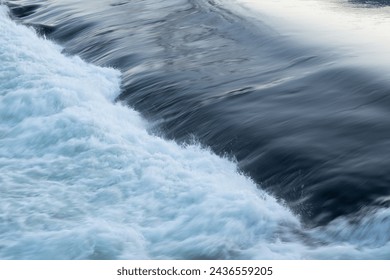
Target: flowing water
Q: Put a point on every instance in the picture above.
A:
(194, 129)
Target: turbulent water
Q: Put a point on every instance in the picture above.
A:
(183, 129)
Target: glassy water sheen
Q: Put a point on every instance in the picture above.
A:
(261, 136)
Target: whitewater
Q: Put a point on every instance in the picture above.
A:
(85, 177)
(82, 178)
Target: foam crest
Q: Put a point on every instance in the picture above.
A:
(362, 237)
(81, 178)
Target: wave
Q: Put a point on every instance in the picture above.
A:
(82, 177)
(354, 28)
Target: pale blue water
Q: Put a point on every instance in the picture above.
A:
(85, 177)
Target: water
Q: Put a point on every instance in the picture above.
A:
(280, 144)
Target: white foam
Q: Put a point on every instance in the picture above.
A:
(366, 238)
(81, 178)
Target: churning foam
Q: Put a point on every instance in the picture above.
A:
(81, 178)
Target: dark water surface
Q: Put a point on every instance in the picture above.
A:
(310, 128)
(375, 3)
